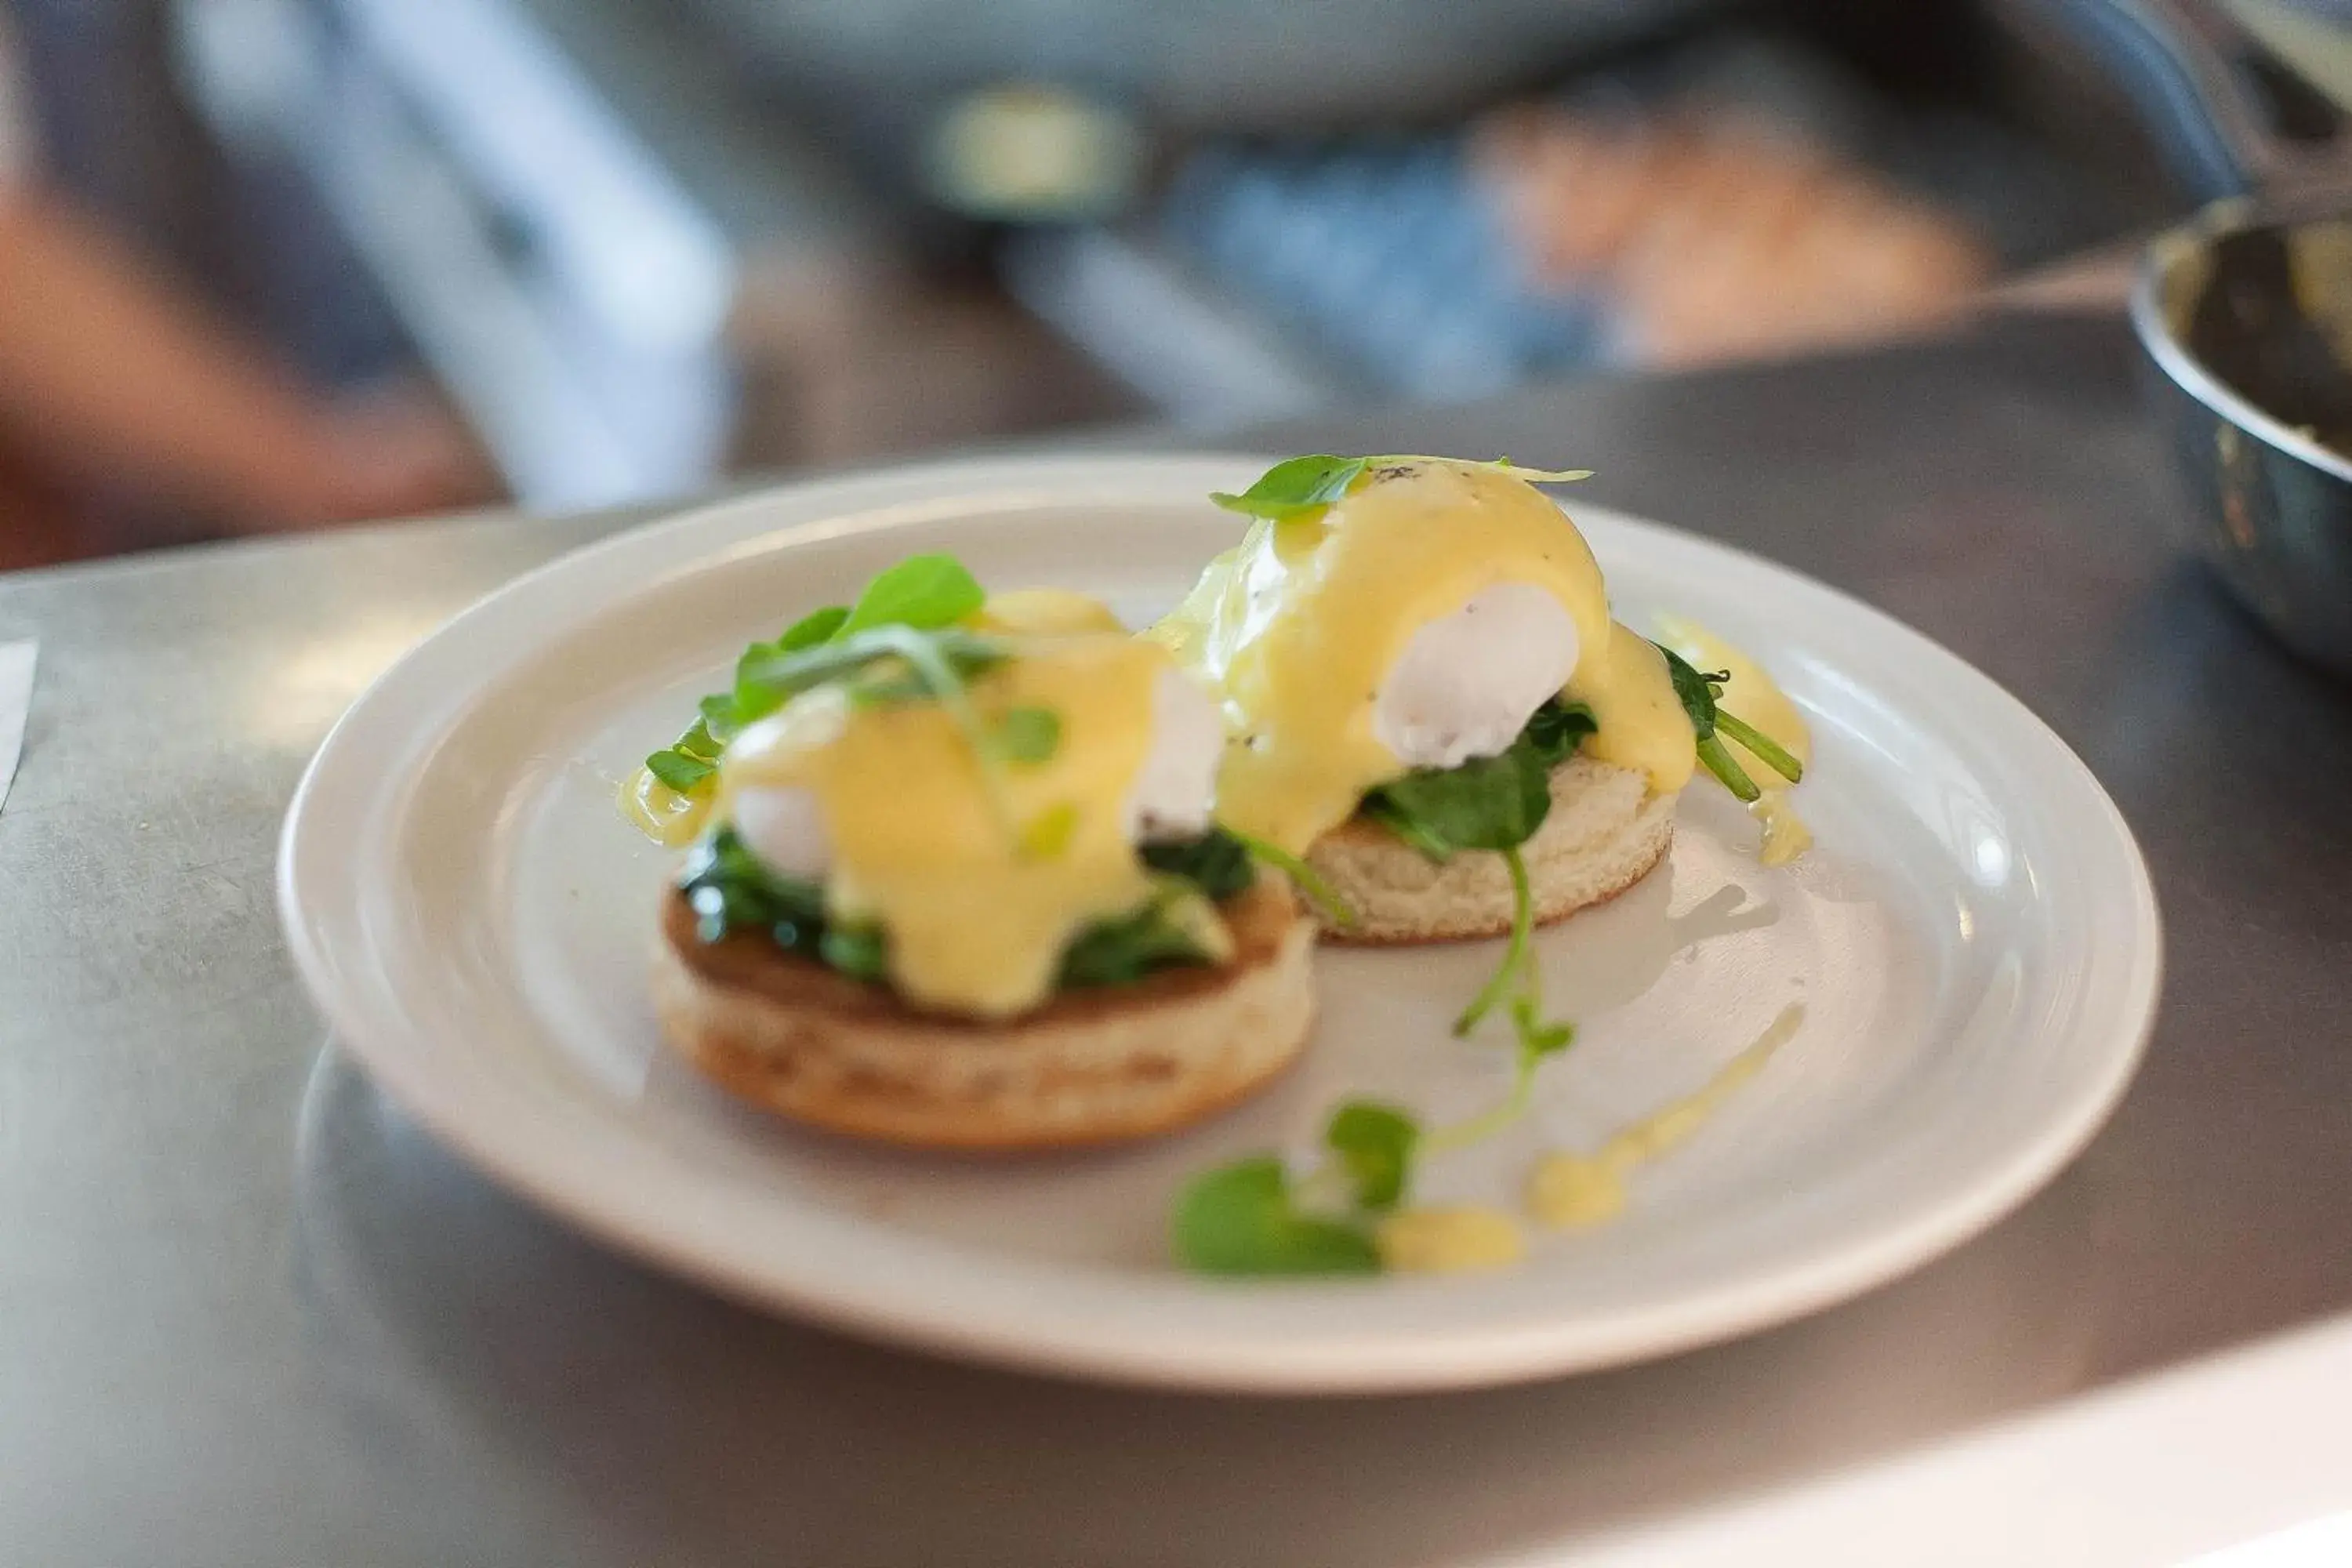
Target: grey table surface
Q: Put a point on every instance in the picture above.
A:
(250, 1316)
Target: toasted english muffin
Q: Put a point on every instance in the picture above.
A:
(1092, 1065)
(1604, 832)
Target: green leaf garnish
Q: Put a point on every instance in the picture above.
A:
(1375, 1143)
(686, 765)
(1296, 487)
(1125, 949)
(746, 702)
(1556, 728)
(1247, 1218)
(951, 657)
(1487, 802)
(1538, 1037)
(1116, 951)
(678, 768)
(1695, 688)
(717, 722)
(816, 626)
(862, 953)
(924, 592)
(1241, 1219)
(732, 890)
(1028, 734)
(1217, 863)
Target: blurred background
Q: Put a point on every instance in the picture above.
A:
(382, 257)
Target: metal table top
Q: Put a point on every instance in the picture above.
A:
(250, 1316)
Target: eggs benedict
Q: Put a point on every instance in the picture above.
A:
(956, 882)
(1427, 699)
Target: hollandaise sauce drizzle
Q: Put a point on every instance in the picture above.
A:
(1566, 1191)
(670, 817)
(1454, 1238)
(1578, 1190)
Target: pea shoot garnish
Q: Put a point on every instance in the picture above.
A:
(1493, 803)
(1700, 693)
(922, 592)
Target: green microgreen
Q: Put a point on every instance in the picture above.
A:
(1506, 979)
(1216, 862)
(1028, 736)
(732, 890)
(1304, 876)
(1253, 1217)
(1375, 1146)
(1125, 948)
(1493, 804)
(686, 765)
(1298, 487)
(1487, 802)
(1295, 486)
(1244, 1218)
(922, 592)
(860, 952)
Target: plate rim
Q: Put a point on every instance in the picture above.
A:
(864, 501)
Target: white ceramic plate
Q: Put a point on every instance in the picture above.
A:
(1974, 942)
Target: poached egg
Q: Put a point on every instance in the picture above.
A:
(1417, 621)
(1170, 796)
(982, 871)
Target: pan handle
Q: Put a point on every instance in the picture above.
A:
(2173, 58)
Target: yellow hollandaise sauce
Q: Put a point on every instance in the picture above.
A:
(979, 885)
(1043, 612)
(1751, 694)
(1299, 626)
(1573, 1191)
(1454, 1239)
(674, 818)
(670, 817)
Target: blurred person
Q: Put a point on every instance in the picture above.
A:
(112, 376)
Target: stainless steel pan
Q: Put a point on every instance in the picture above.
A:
(2244, 313)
